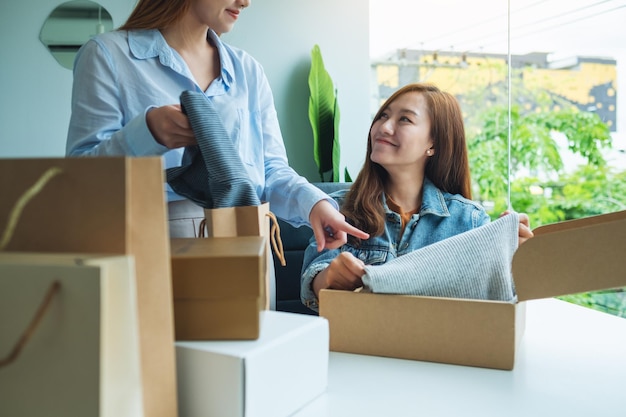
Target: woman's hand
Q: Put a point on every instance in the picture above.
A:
(524, 227)
(343, 273)
(330, 227)
(170, 126)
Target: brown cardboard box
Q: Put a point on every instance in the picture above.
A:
(563, 258)
(218, 287)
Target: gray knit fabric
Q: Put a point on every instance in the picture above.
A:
(212, 174)
(474, 265)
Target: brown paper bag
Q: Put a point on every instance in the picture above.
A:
(69, 341)
(248, 221)
(106, 206)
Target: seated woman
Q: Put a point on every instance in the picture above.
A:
(413, 190)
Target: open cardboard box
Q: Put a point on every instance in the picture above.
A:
(563, 258)
(218, 286)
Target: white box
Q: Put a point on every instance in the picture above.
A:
(274, 375)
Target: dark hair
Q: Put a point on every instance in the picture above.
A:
(448, 168)
(156, 14)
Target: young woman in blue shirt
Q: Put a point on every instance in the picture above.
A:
(414, 189)
(125, 101)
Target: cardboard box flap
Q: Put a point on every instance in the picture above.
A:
(572, 257)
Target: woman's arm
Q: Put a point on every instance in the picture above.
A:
(99, 125)
(343, 273)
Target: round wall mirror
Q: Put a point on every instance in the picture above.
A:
(70, 25)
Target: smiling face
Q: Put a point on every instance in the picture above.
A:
(400, 137)
(219, 15)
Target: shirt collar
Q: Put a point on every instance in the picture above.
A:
(228, 68)
(433, 201)
(150, 43)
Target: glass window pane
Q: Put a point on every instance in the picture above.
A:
(563, 156)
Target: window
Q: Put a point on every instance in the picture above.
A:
(568, 120)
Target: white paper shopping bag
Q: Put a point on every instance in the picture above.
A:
(69, 341)
(108, 205)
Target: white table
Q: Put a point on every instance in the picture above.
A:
(571, 362)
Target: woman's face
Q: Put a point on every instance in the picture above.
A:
(219, 15)
(401, 136)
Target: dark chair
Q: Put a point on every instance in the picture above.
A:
(295, 240)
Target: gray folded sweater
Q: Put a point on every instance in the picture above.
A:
(475, 265)
(212, 174)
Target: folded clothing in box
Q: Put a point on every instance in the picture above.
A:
(218, 287)
(475, 264)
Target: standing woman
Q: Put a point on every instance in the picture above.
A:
(414, 190)
(125, 102)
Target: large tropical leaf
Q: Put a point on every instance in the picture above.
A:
(322, 107)
(336, 147)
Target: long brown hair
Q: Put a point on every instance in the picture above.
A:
(156, 14)
(448, 168)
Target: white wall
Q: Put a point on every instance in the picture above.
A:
(35, 90)
(281, 34)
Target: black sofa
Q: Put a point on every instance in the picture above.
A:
(295, 240)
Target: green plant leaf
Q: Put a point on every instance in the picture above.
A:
(322, 107)
(336, 155)
(347, 177)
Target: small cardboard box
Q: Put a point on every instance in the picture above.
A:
(218, 287)
(276, 375)
(563, 258)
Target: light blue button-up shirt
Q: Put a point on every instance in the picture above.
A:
(120, 75)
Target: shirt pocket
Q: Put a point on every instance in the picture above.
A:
(370, 256)
(249, 138)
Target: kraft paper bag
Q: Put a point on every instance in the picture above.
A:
(112, 205)
(69, 341)
(249, 221)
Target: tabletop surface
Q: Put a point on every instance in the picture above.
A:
(571, 362)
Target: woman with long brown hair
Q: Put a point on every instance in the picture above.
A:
(413, 190)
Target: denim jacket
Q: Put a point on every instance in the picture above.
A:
(442, 215)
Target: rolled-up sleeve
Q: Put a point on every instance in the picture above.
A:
(313, 263)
